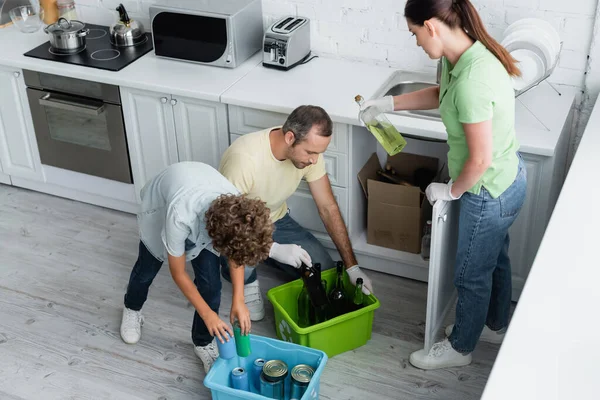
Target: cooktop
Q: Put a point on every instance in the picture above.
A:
(98, 51)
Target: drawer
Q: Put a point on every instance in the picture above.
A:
(244, 120)
(336, 165)
(304, 210)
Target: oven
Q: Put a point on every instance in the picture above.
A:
(79, 125)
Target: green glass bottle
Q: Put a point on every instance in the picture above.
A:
(359, 297)
(304, 308)
(337, 296)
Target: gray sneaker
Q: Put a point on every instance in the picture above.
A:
(254, 301)
(207, 354)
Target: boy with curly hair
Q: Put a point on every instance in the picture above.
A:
(190, 212)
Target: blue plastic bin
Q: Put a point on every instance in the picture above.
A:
(218, 379)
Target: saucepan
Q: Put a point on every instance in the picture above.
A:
(67, 36)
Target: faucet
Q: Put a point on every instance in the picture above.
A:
(438, 74)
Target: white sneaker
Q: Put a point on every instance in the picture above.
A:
(254, 301)
(207, 354)
(441, 355)
(487, 335)
(131, 326)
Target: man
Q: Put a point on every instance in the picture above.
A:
(269, 165)
(190, 212)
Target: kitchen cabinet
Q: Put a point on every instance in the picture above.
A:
(19, 153)
(544, 182)
(4, 178)
(441, 293)
(201, 128)
(163, 129)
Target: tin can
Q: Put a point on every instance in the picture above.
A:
(239, 379)
(272, 379)
(242, 342)
(257, 367)
(227, 350)
(301, 376)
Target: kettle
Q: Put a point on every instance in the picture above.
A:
(126, 32)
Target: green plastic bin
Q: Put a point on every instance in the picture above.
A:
(335, 336)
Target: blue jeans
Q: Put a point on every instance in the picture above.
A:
(482, 273)
(206, 277)
(288, 231)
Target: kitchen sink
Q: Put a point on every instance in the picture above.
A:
(402, 82)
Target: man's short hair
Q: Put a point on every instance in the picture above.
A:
(303, 118)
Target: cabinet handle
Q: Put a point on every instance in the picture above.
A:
(163, 100)
(16, 74)
(173, 102)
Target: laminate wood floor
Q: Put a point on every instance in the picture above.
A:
(63, 274)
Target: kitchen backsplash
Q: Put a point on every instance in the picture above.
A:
(374, 31)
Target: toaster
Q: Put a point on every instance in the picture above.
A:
(286, 43)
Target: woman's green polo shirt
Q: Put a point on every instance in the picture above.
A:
(477, 89)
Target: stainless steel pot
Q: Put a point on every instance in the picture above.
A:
(127, 32)
(67, 36)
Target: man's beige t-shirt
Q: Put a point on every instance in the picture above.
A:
(253, 169)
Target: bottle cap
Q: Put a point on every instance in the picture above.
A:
(359, 281)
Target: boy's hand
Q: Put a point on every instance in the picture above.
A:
(240, 312)
(217, 327)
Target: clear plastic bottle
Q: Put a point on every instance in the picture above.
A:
(426, 241)
(381, 127)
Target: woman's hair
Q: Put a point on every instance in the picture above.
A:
(462, 14)
(240, 228)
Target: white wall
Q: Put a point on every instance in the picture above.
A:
(374, 31)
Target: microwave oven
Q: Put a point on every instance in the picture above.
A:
(212, 32)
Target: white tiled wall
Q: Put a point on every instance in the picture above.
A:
(374, 31)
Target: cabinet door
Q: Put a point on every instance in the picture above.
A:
(18, 147)
(304, 210)
(440, 285)
(528, 229)
(150, 133)
(4, 178)
(201, 128)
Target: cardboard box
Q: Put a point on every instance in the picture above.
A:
(396, 214)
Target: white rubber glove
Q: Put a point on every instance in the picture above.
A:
(439, 191)
(382, 104)
(290, 254)
(354, 273)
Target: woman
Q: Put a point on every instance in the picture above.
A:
(476, 102)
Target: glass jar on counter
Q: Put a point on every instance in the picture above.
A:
(66, 9)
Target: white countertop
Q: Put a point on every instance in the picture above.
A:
(333, 84)
(146, 73)
(330, 83)
(550, 350)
